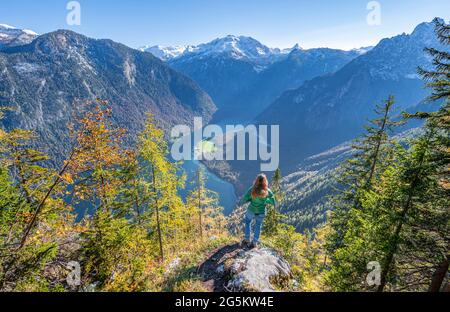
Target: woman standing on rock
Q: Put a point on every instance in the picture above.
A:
(259, 195)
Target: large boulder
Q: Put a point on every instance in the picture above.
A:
(233, 268)
(260, 270)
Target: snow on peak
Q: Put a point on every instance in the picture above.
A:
(236, 46)
(6, 26)
(362, 50)
(30, 32)
(239, 47)
(9, 28)
(165, 52)
(12, 36)
(289, 50)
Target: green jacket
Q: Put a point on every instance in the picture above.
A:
(258, 204)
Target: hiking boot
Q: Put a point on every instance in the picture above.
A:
(254, 245)
(245, 244)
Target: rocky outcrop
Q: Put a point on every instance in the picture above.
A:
(261, 270)
(236, 269)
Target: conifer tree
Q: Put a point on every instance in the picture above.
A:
(370, 156)
(33, 223)
(373, 153)
(204, 204)
(438, 122)
(274, 217)
(166, 207)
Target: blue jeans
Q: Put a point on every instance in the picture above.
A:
(249, 217)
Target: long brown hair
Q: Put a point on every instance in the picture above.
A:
(260, 186)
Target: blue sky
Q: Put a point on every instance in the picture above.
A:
(282, 23)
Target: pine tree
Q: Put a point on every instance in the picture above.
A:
(396, 214)
(413, 186)
(438, 122)
(274, 217)
(345, 243)
(438, 80)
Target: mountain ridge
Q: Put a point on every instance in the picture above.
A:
(50, 79)
(333, 108)
(11, 36)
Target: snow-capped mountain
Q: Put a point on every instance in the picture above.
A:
(328, 110)
(11, 36)
(362, 50)
(288, 72)
(241, 73)
(237, 47)
(166, 53)
(226, 67)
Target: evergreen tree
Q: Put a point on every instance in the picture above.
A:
(438, 122)
(273, 216)
(345, 243)
(398, 213)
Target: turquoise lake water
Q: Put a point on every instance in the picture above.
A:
(227, 195)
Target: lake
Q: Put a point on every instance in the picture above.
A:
(225, 190)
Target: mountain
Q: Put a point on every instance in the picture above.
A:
(239, 47)
(236, 47)
(243, 75)
(11, 36)
(224, 67)
(287, 73)
(331, 109)
(308, 189)
(165, 53)
(47, 81)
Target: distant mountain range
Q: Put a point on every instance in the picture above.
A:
(319, 97)
(165, 53)
(238, 47)
(331, 109)
(50, 79)
(243, 75)
(11, 36)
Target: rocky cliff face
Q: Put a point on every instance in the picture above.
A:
(49, 80)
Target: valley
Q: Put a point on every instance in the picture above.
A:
(319, 97)
(131, 168)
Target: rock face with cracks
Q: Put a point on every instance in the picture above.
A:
(257, 269)
(237, 269)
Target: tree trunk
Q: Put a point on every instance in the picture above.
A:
(377, 151)
(200, 206)
(42, 203)
(439, 276)
(158, 222)
(398, 229)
